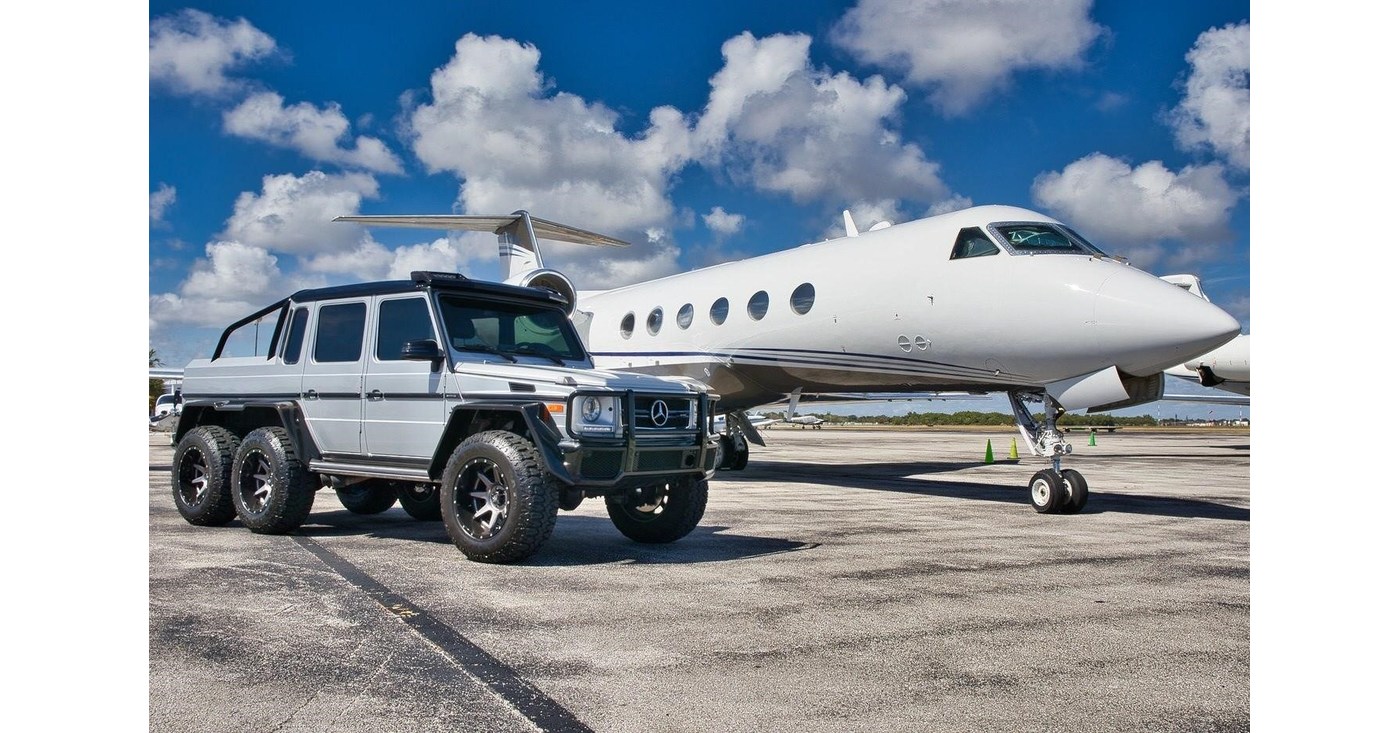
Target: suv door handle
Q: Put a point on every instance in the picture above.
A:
(311, 394)
(376, 395)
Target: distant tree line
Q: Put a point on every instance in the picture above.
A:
(968, 417)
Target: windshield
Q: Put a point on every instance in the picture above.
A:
(1043, 238)
(509, 329)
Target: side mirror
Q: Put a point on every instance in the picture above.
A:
(422, 350)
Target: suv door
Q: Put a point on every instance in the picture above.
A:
(405, 405)
(332, 382)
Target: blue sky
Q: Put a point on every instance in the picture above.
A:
(699, 132)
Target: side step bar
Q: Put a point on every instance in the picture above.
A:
(413, 475)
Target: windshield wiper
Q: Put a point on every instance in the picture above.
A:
(488, 350)
(530, 349)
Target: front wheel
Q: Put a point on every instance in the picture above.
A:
(373, 496)
(272, 491)
(1047, 491)
(498, 502)
(662, 513)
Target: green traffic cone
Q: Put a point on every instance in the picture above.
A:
(1093, 438)
(989, 458)
(1014, 452)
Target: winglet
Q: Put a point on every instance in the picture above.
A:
(850, 230)
(792, 404)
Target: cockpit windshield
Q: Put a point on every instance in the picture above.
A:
(1041, 238)
(508, 329)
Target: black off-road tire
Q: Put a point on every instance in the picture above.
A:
(1077, 491)
(664, 514)
(516, 501)
(199, 476)
(272, 491)
(1047, 491)
(421, 501)
(374, 496)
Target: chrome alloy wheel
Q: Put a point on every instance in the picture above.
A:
(483, 499)
(194, 477)
(255, 482)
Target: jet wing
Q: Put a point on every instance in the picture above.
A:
(1237, 400)
(543, 228)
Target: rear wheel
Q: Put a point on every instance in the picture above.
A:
(420, 501)
(272, 491)
(661, 513)
(1077, 492)
(374, 496)
(498, 503)
(199, 475)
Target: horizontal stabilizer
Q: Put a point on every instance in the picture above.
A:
(543, 228)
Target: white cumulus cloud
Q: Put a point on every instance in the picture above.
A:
(963, 50)
(191, 52)
(315, 133)
(161, 200)
(233, 280)
(293, 214)
(722, 222)
(1214, 115)
(775, 121)
(1131, 211)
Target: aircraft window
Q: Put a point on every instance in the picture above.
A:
(719, 311)
(803, 298)
(685, 316)
(628, 325)
(972, 242)
(400, 321)
(653, 321)
(1042, 238)
(758, 305)
(340, 332)
(295, 335)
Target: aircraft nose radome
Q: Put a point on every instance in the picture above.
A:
(1147, 325)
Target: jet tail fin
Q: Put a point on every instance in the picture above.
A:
(850, 230)
(519, 234)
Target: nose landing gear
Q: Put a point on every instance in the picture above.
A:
(1053, 490)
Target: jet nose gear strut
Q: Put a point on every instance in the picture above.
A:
(1054, 490)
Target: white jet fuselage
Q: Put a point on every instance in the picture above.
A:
(893, 312)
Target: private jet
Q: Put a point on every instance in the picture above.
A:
(986, 299)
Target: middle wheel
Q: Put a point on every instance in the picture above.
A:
(498, 502)
(1076, 492)
(374, 496)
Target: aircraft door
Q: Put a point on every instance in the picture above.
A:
(404, 406)
(332, 380)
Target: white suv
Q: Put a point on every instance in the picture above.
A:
(468, 401)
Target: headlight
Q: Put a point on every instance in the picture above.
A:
(595, 415)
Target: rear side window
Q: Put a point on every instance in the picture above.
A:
(401, 321)
(972, 242)
(291, 354)
(340, 332)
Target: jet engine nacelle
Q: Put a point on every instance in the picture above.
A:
(551, 280)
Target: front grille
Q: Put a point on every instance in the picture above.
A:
(677, 413)
(601, 464)
(666, 460)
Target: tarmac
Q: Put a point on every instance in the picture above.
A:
(847, 580)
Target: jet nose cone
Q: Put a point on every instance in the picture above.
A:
(1146, 324)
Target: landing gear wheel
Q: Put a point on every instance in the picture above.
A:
(497, 501)
(740, 458)
(272, 491)
(420, 501)
(374, 496)
(662, 513)
(1077, 492)
(726, 453)
(1047, 491)
(199, 476)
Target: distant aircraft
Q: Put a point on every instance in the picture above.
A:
(987, 299)
(805, 420)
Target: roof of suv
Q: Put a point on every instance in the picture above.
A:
(447, 281)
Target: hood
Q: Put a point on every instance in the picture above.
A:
(573, 377)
